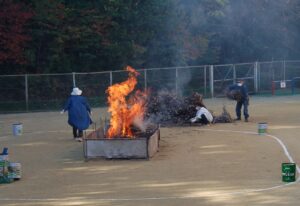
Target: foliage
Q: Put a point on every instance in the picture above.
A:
(58, 36)
(13, 19)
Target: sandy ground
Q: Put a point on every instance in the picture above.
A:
(220, 164)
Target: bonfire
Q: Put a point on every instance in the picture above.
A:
(126, 106)
(133, 110)
(127, 135)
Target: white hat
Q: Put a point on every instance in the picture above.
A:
(76, 91)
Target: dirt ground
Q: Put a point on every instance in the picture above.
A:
(220, 164)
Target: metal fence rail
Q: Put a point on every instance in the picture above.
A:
(42, 92)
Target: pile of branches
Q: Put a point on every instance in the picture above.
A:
(234, 95)
(225, 117)
(167, 108)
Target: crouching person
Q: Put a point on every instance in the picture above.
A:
(203, 116)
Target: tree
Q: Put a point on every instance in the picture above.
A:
(13, 38)
(67, 36)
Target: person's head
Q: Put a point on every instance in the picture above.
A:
(198, 108)
(76, 91)
(240, 82)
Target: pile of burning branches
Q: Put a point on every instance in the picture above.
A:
(129, 108)
(167, 108)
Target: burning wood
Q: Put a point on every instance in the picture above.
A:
(125, 106)
(129, 109)
(127, 135)
(99, 133)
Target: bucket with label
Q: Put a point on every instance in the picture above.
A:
(14, 170)
(17, 129)
(3, 157)
(288, 172)
(262, 128)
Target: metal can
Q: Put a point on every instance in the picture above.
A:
(17, 129)
(14, 170)
(288, 172)
(262, 128)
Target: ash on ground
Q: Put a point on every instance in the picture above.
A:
(166, 108)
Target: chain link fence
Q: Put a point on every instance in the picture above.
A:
(46, 92)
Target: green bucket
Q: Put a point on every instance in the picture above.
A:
(3, 168)
(288, 172)
(4, 172)
(262, 128)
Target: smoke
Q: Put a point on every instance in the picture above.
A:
(225, 31)
(140, 123)
(260, 30)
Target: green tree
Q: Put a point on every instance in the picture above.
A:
(67, 36)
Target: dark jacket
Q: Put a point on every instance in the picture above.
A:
(78, 112)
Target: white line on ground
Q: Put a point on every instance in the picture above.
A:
(286, 152)
(185, 197)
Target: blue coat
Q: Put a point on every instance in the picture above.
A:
(78, 112)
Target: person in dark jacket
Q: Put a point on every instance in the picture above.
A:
(79, 113)
(242, 99)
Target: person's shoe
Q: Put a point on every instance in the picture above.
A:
(193, 120)
(80, 134)
(237, 119)
(78, 139)
(246, 120)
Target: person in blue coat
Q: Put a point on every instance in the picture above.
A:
(242, 99)
(79, 113)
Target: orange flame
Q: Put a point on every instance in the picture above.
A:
(125, 110)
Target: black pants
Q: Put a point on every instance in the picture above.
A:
(203, 119)
(238, 109)
(77, 132)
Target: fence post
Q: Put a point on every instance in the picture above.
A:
(284, 69)
(211, 80)
(273, 87)
(176, 79)
(26, 91)
(74, 79)
(293, 85)
(145, 79)
(234, 73)
(255, 77)
(205, 86)
(110, 78)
